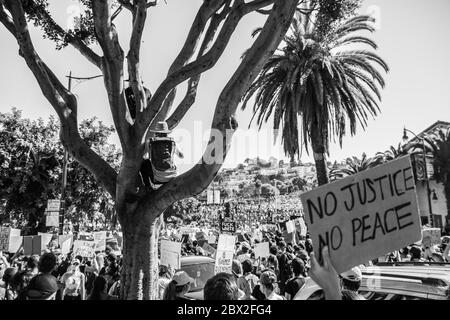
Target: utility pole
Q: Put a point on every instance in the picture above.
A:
(64, 176)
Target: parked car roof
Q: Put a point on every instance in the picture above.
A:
(420, 281)
(185, 260)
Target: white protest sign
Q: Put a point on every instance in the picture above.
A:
(303, 228)
(224, 262)
(209, 197)
(216, 196)
(65, 243)
(262, 250)
(187, 230)
(170, 259)
(226, 242)
(290, 226)
(84, 248)
(225, 252)
(14, 243)
(431, 236)
(100, 240)
(52, 219)
(364, 216)
(5, 237)
(212, 239)
(46, 238)
(53, 205)
(170, 254)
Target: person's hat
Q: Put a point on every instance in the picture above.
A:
(181, 278)
(354, 274)
(42, 287)
(161, 127)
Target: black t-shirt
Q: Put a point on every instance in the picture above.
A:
(283, 266)
(293, 285)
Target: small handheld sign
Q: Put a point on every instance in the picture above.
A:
(228, 226)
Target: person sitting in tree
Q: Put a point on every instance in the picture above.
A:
(158, 166)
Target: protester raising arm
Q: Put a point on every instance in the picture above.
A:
(326, 276)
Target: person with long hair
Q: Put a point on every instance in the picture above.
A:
(178, 287)
(268, 284)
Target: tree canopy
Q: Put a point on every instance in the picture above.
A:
(31, 165)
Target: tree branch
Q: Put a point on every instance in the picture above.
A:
(126, 4)
(6, 20)
(133, 56)
(200, 176)
(113, 73)
(63, 102)
(191, 92)
(205, 12)
(202, 64)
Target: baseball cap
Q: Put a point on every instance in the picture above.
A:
(41, 287)
(354, 274)
(182, 278)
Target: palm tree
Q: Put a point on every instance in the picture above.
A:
(319, 79)
(396, 152)
(353, 166)
(438, 144)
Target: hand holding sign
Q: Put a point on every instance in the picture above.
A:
(326, 276)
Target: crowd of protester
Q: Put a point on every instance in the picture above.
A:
(279, 276)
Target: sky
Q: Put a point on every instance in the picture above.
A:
(412, 38)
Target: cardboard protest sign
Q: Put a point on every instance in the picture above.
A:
(224, 261)
(209, 249)
(38, 245)
(65, 243)
(209, 197)
(100, 240)
(53, 205)
(84, 248)
(5, 237)
(364, 216)
(170, 254)
(224, 254)
(200, 235)
(15, 242)
(52, 219)
(212, 239)
(28, 245)
(431, 236)
(85, 236)
(216, 196)
(262, 250)
(301, 226)
(187, 230)
(46, 238)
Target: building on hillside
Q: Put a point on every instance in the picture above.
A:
(436, 196)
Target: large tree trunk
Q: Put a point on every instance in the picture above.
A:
(321, 168)
(319, 158)
(139, 278)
